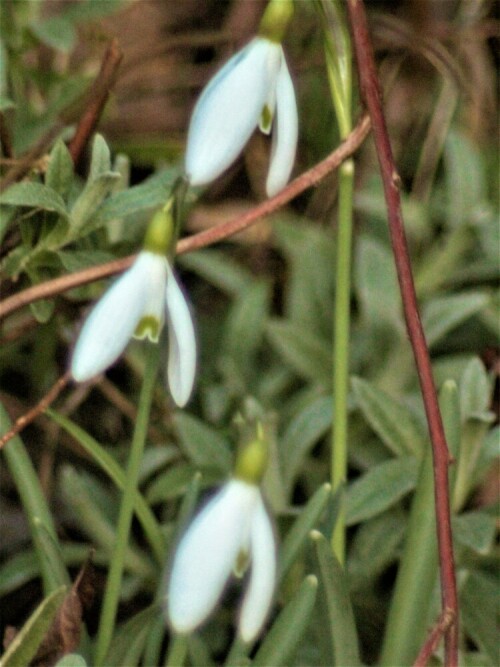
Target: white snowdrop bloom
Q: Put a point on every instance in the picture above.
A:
(137, 304)
(232, 530)
(252, 89)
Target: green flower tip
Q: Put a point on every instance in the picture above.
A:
(251, 461)
(275, 20)
(160, 234)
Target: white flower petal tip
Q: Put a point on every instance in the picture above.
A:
(234, 520)
(182, 343)
(285, 134)
(241, 97)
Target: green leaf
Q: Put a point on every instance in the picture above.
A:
(25, 644)
(245, 324)
(42, 310)
(376, 283)
(100, 162)
(150, 194)
(30, 492)
(203, 444)
(309, 356)
(76, 260)
(475, 391)
(90, 501)
(333, 585)
(282, 640)
(465, 176)
(308, 425)
(476, 531)
(128, 643)
(60, 169)
(217, 268)
(309, 251)
(375, 546)
(56, 32)
(51, 553)
(296, 537)
(108, 464)
(175, 481)
(89, 201)
(380, 488)
(396, 426)
(443, 314)
(480, 612)
(34, 195)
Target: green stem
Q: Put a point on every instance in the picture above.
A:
(177, 652)
(113, 584)
(33, 501)
(341, 347)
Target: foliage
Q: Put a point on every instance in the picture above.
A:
(264, 319)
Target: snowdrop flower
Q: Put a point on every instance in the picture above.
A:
(252, 88)
(231, 532)
(137, 305)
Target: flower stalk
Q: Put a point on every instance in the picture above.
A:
(338, 63)
(114, 581)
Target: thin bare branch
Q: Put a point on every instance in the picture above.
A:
(371, 94)
(306, 180)
(97, 98)
(32, 414)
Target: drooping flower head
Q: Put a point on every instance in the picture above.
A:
(137, 305)
(231, 532)
(253, 89)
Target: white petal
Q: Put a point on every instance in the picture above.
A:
(181, 342)
(229, 109)
(112, 322)
(260, 591)
(153, 307)
(206, 554)
(285, 133)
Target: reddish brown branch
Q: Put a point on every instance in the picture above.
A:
(306, 180)
(97, 98)
(371, 94)
(32, 414)
(26, 162)
(445, 621)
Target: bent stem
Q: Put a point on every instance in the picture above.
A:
(113, 584)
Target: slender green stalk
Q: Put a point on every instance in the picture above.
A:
(113, 584)
(338, 64)
(177, 652)
(341, 347)
(34, 504)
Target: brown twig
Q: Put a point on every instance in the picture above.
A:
(97, 98)
(25, 163)
(306, 180)
(371, 94)
(5, 138)
(431, 643)
(32, 414)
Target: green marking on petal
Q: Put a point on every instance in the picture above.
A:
(266, 119)
(241, 564)
(148, 327)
